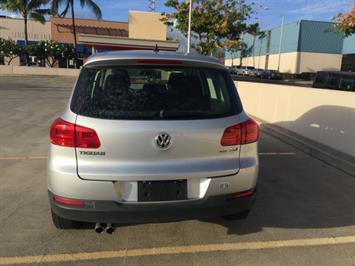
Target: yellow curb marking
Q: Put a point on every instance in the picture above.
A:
(176, 250)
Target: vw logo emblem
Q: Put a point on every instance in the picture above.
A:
(163, 141)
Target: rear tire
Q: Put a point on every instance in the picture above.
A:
(62, 223)
(237, 216)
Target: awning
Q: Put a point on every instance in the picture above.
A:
(96, 30)
(126, 43)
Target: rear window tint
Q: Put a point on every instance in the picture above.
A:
(154, 93)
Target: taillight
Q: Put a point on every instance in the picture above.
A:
(243, 133)
(66, 134)
(245, 194)
(62, 133)
(86, 138)
(69, 201)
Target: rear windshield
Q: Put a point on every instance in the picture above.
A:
(153, 93)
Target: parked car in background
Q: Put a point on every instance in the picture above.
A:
(247, 70)
(239, 71)
(233, 70)
(244, 70)
(271, 74)
(256, 73)
(151, 137)
(336, 80)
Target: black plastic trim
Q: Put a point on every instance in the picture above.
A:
(116, 212)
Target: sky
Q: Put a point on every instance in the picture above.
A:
(269, 12)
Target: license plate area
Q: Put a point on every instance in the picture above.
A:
(162, 190)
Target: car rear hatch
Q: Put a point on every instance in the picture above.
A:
(129, 151)
(156, 122)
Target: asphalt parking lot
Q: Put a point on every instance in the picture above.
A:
(304, 213)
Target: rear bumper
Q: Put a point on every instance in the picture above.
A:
(115, 212)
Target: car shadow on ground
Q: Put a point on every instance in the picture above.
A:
(300, 191)
(297, 201)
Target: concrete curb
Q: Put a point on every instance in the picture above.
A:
(330, 156)
(42, 71)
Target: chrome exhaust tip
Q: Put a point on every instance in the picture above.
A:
(109, 228)
(99, 228)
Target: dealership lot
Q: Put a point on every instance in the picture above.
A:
(304, 214)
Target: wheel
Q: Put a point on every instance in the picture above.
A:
(237, 216)
(62, 223)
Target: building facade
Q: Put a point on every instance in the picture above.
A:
(348, 62)
(300, 47)
(143, 31)
(13, 28)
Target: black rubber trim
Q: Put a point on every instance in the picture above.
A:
(115, 212)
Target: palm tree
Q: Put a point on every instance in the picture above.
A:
(32, 9)
(68, 5)
(242, 48)
(254, 30)
(261, 37)
(235, 46)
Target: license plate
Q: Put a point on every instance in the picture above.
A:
(162, 190)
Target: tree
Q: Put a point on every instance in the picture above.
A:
(51, 52)
(233, 47)
(213, 21)
(254, 30)
(69, 6)
(9, 49)
(27, 9)
(345, 23)
(242, 49)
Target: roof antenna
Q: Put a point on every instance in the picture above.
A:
(156, 49)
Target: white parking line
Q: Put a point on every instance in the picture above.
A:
(277, 153)
(176, 250)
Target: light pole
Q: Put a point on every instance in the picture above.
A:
(280, 43)
(152, 5)
(189, 29)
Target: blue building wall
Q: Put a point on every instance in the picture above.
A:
(228, 55)
(319, 37)
(349, 45)
(248, 39)
(289, 38)
(261, 45)
(301, 36)
(289, 41)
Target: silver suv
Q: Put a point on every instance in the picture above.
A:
(150, 137)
